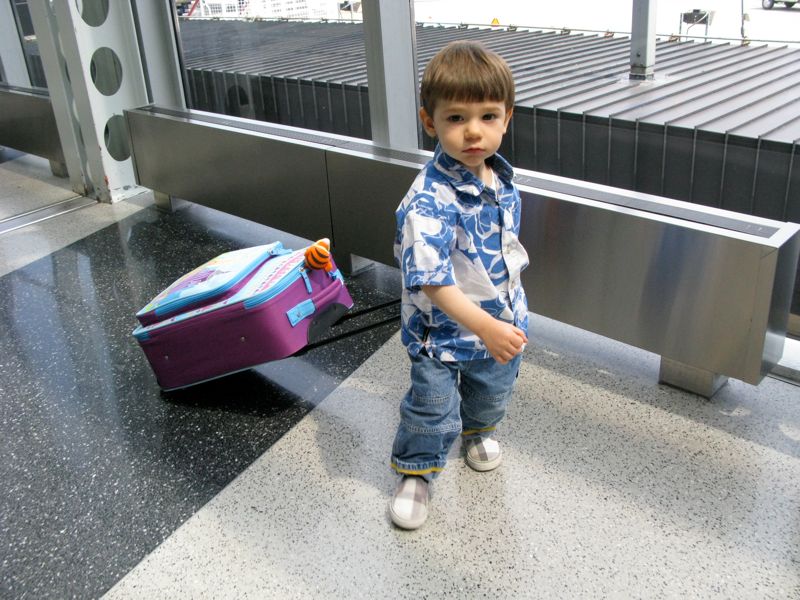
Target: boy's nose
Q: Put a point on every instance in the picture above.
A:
(472, 129)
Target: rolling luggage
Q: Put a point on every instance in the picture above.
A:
(240, 309)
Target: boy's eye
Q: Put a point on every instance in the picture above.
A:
(489, 117)
(454, 118)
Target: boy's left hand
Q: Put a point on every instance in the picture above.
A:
(503, 340)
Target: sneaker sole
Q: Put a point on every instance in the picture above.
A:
(487, 465)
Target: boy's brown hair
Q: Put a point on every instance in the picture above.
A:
(467, 72)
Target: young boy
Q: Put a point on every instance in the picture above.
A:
(464, 315)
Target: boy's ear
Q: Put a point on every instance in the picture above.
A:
(509, 112)
(427, 122)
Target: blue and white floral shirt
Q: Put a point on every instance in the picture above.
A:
(454, 230)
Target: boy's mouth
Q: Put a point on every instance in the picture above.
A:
(473, 150)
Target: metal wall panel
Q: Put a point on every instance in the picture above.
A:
(772, 176)
(792, 209)
(739, 174)
(269, 96)
(660, 285)
(357, 107)
(596, 143)
(622, 154)
(524, 142)
(27, 123)
(546, 140)
(678, 163)
(708, 164)
(649, 156)
(570, 146)
(365, 189)
(255, 176)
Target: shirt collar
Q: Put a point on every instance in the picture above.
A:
(463, 179)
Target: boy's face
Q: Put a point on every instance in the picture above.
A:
(470, 132)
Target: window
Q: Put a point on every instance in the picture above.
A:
(259, 66)
(30, 46)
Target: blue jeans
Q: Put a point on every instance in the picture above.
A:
(447, 399)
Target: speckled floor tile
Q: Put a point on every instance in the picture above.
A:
(98, 467)
(36, 241)
(612, 486)
(28, 184)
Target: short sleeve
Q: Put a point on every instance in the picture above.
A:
(425, 239)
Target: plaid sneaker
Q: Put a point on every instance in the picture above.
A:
(409, 506)
(483, 454)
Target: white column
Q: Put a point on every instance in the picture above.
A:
(390, 45)
(643, 39)
(99, 49)
(12, 56)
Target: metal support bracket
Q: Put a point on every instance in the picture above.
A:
(163, 201)
(698, 381)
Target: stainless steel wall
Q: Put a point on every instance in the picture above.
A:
(27, 123)
(702, 286)
(235, 167)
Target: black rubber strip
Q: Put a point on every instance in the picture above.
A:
(346, 334)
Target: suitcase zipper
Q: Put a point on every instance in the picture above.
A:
(143, 332)
(279, 287)
(176, 305)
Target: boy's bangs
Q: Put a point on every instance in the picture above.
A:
(472, 90)
(467, 72)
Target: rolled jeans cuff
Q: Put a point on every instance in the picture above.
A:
(428, 470)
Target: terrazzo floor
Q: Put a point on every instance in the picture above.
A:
(273, 483)
(98, 465)
(612, 486)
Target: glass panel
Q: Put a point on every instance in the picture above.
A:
(29, 45)
(271, 60)
(94, 12)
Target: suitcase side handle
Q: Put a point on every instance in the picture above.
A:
(300, 311)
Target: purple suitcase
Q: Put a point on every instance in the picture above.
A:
(236, 311)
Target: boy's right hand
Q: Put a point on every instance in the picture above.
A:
(503, 340)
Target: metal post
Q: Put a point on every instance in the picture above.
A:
(162, 62)
(698, 381)
(61, 99)
(12, 55)
(643, 39)
(390, 45)
(159, 49)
